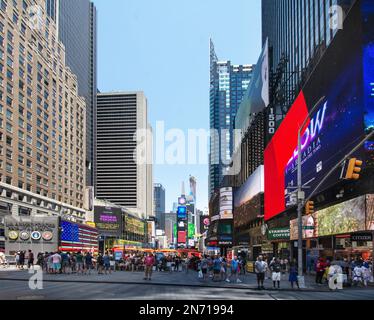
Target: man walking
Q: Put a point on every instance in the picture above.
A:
(149, 261)
(260, 269)
(30, 260)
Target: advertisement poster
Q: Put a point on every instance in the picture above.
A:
(310, 227)
(370, 212)
(225, 203)
(108, 220)
(343, 218)
(337, 89)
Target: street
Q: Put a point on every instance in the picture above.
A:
(164, 286)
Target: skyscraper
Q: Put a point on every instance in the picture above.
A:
(120, 178)
(76, 28)
(299, 31)
(42, 118)
(159, 205)
(228, 83)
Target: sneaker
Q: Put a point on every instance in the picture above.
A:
(227, 280)
(238, 281)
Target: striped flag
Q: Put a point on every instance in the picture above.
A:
(78, 237)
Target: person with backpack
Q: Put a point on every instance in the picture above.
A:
(100, 264)
(275, 268)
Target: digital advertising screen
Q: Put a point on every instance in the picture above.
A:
(108, 220)
(338, 123)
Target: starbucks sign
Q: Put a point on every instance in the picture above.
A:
(279, 234)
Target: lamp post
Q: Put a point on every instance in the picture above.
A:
(301, 196)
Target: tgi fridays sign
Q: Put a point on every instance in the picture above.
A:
(37, 233)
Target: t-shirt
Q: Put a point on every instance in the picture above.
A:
(79, 258)
(217, 264)
(260, 266)
(106, 260)
(64, 257)
(149, 261)
(88, 259)
(204, 264)
(234, 265)
(56, 258)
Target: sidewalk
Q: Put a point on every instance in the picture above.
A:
(189, 279)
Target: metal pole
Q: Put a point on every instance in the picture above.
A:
(299, 210)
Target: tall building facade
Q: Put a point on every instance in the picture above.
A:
(42, 118)
(299, 31)
(159, 205)
(76, 29)
(121, 117)
(228, 83)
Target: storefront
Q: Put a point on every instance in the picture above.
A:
(280, 239)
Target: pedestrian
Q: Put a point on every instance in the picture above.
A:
(30, 260)
(106, 260)
(56, 261)
(88, 263)
(65, 263)
(216, 268)
(320, 270)
(148, 263)
(22, 259)
(366, 273)
(275, 268)
(357, 275)
(260, 269)
(79, 262)
(50, 263)
(234, 270)
(73, 263)
(18, 259)
(223, 269)
(293, 278)
(100, 264)
(204, 267)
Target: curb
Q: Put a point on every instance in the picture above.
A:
(252, 288)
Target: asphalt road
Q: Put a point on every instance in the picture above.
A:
(14, 285)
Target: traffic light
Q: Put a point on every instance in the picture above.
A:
(309, 207)
(354, 168)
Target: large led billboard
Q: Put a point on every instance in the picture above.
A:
(338, 123)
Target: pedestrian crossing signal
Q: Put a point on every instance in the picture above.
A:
(354, 169)
(309, 207)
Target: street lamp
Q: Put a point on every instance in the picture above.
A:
(301, 196)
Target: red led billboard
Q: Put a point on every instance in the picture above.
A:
(277, 155)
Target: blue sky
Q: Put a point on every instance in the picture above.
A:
(161, 47)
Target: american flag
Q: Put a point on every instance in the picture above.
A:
(77, 237)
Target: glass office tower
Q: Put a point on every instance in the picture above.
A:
(228, 84)
(299, 31)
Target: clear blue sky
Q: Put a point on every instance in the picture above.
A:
(161, 47)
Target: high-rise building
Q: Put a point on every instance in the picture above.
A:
(50, 7)
(299, 31)
(228, 83)
(76, 29)
(42, 118)
(121, 118)
(159, 205)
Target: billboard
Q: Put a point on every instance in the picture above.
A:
(135, 226)
(78, 237)
(225, 203)
(310, 227)
(108, 220)
(346, 217)
(334, 129)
